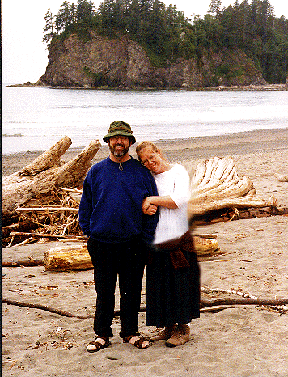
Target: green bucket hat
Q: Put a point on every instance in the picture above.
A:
(118, 127)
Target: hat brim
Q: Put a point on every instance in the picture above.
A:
(121, 133)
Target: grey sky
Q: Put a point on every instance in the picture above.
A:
(24, 55)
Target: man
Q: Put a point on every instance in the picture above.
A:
(110, 213)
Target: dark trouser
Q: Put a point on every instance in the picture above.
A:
(128, 261)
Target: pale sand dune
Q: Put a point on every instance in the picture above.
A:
(238, 341)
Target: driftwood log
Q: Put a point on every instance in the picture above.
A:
(45, 175)
(48, 159)
(216, 185)
(281, 177)
(205, 244)
(65, 258)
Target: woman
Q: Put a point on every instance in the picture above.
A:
(173, 276)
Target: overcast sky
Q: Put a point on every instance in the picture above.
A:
(24, 55)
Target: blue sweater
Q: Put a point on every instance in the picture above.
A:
(111, 205)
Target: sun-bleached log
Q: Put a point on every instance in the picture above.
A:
(216, 185)
(74, 171)
(48, 159)
(30, 182)
(65, 258)
(205, 244)
(214, 205)
(281, 177)
(43, 162)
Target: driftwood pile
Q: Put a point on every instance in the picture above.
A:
(41, 200)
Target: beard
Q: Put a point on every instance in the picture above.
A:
(118, 153)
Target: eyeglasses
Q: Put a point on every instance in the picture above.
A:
(149, 159)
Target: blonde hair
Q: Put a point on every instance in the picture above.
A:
(144, 145)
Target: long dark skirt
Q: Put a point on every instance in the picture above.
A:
(172, 295)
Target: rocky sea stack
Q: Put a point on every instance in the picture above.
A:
(123, 63)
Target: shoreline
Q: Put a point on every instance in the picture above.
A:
(176, 149)
(251, 87)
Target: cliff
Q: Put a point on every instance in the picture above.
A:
(122, 63)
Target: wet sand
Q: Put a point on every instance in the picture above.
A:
(236, 341)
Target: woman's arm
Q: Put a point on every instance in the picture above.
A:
(164, 201)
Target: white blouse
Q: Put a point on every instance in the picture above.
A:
(173, 223)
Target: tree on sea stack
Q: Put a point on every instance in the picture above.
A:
(85, 11)
(66, 16)
(215, 7)
(49, 28)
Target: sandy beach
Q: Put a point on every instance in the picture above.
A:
(232, 341)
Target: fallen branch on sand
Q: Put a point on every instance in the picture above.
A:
(47, 209)
(243, 301)
(44, 235)
(42, 307)
(204, 304)
(30, 262)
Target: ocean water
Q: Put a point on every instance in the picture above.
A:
(36, 118)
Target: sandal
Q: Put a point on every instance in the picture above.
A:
(97, 344)
(137, 341)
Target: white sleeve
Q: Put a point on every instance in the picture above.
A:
(180, 193)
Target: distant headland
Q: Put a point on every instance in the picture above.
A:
(147, 45)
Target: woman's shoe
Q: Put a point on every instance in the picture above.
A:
(180, 336)
(164, 334)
